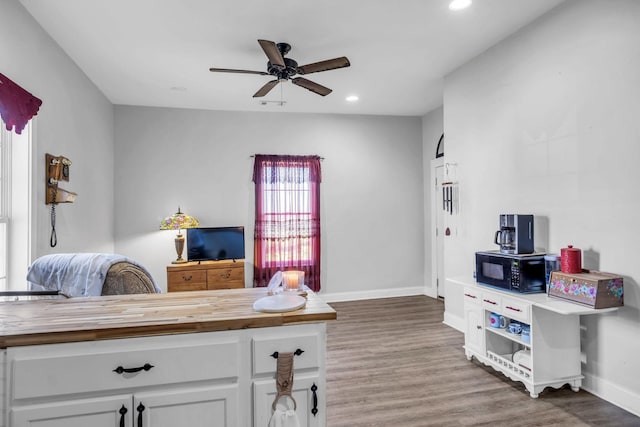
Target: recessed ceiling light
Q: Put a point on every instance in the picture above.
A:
(352, 98)
(459, 4)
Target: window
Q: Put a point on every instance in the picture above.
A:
(15, 196)
(286, 209)
(287, 230)
(5, 146)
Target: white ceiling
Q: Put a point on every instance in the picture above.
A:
(158, 52)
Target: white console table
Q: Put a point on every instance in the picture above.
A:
(555, 335)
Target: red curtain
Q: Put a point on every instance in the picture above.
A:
(17, 106)
(287, 229)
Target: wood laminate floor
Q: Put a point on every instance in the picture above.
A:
(392, 362)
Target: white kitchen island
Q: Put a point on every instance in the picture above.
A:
(188, 358)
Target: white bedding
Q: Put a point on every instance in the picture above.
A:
(75, 275)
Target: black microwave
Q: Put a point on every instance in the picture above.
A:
(511, 272)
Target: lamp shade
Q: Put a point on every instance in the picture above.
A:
(178, 221)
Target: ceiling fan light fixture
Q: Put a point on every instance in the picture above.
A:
(459, 4)
(284, 69)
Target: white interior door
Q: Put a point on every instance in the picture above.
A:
(437, 226)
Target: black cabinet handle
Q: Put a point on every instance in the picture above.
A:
(314, 410)
(298, 352)
(122, 412)
(140, 410)
(120, 369)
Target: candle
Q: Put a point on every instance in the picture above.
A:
(290, 280)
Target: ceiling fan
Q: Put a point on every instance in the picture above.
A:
(285, 68)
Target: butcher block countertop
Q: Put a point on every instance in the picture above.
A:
(50, 321)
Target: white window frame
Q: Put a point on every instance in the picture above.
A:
(5, 209)
(16, 177)
(301, 191)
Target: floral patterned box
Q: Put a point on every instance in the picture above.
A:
(593, 288)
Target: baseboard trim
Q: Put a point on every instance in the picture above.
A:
(454, 321)
(430, 292)
(612, 393)
(373, 294)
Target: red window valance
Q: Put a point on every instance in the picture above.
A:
(17, 106)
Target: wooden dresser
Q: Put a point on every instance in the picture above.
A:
(205, 275)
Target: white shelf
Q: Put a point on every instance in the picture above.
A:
(513, 337)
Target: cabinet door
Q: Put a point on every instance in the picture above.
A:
(474, 329)
(209, 406)
(110, 411)
(308, 393)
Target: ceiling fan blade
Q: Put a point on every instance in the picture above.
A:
(230, 70)
(266, 88)
(312, 86)
(329, 64)
(273, 53)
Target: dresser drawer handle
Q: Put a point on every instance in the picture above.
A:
(470, 296)
(186, 278)
(513, 308)
(121, 370)
(225, 276)
(490, 302)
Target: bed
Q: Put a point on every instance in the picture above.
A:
(89, 274)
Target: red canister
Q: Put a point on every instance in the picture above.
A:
(571, 260)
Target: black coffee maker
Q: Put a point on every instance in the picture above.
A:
(516, 234)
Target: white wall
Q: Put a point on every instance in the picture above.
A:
(547, 123)
(75, 120)
(432, 129)
(371, 193)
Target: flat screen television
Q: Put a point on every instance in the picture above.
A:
(215, 243)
